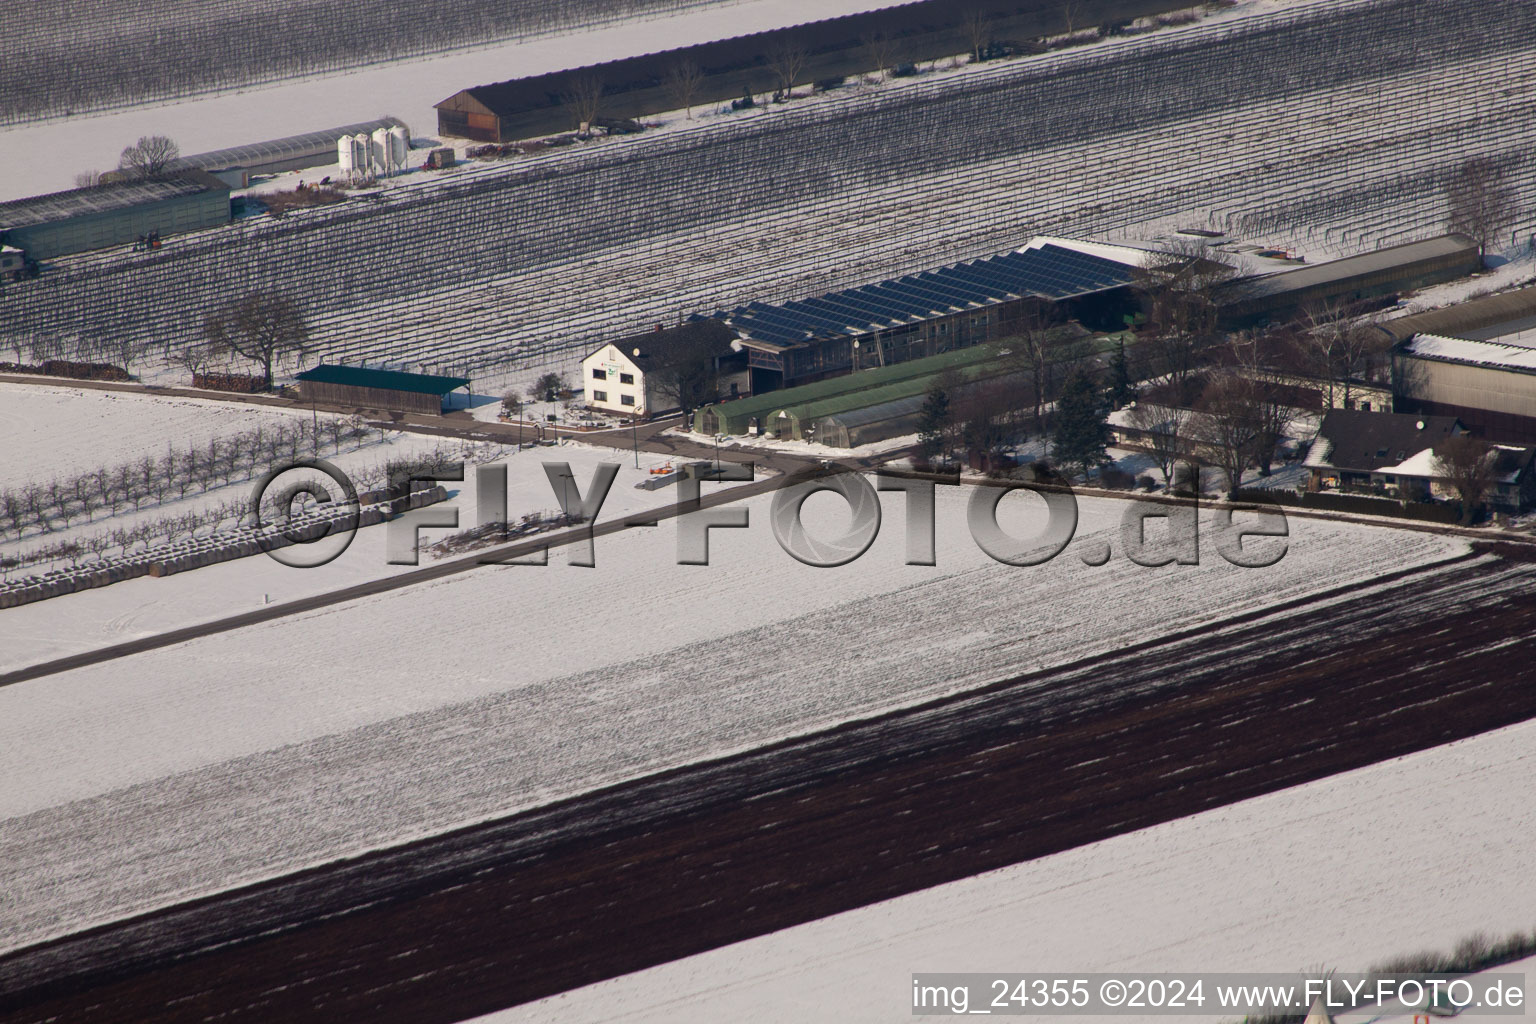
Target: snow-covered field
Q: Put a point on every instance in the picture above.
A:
(1411, 854)
(63, 432)
(507, 687)
(53, 432)
(146, 606)
(404, 89)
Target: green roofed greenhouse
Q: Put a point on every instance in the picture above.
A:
(870, 405)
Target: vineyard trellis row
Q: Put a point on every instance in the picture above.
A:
(1256, 124)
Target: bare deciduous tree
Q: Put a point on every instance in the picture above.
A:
(1230, 429)
(1037, 346)
(880, 52)
(264, 327)
(1180, 295)
(1255, 354)
(194, 358)
(786, 60)
(583, 97)
(1162, 428)
(150, 157)
(1071, 11)
(683, 81)
(987, 414)
(1483, 201)
(87, 179)
(686, 373)
(128, 352)
(977, 25)
(1466, 463)
(1338, 347)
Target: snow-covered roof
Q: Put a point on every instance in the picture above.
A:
(1123, 417)
(1334, 271)
(1130, 255)
(1425, 464)
(1421, 463)
(1367, 442)
(1478, 353)
(259, 154)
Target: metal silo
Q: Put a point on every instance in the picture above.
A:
(380, 150)
(399, 147)
(344, 154)
(362, 156)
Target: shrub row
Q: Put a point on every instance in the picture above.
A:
(240, 383)
(68, 368)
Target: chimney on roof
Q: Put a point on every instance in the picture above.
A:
(658, 328)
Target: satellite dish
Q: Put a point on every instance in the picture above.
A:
(1420, 424)
(637, 352)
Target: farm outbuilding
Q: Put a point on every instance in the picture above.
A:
(1484, 319)
(859, 408)
(312, 149)
(760, 413)
(355, 387)
(834, 49)
(1490, 386)
(116, 213)
(872, 423)
(1372, 275)
(937, 311)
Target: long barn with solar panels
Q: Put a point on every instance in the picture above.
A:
(932, 312)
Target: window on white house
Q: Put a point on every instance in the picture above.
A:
(626, 378)
(626, 399)
(599, 374)
(599, 396)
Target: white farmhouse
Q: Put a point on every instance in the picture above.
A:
(615, 382)
(657, 371)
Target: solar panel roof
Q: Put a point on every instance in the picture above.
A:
(1048, 271)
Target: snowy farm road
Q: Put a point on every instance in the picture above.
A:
(667, 865)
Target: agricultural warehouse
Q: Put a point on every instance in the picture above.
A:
(354, 387)
(1489, 385)
(1486, 319)
(113, 214)
(852, 409)
(312, 149)
(1353, 279)
(932, 312)
(825, 52)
